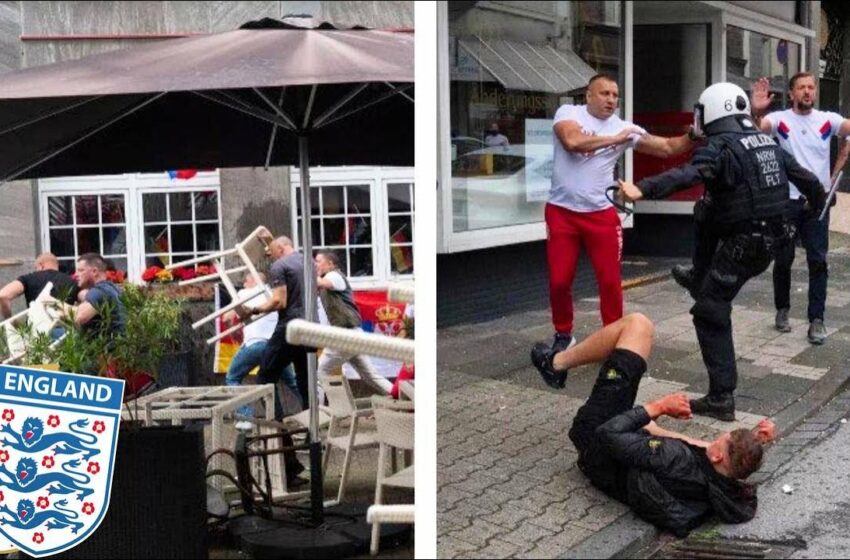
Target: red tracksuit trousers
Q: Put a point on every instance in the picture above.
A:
(601, 234)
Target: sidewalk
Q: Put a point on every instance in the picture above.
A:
(507, 481)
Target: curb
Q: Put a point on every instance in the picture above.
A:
(628, 535)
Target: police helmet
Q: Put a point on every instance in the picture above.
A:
(719, 101)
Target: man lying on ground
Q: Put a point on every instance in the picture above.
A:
(667, 478)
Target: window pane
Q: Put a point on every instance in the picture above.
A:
(157, 260)
(207, 235)
(86, 209)
(359, 231)
(361, 262)
(62, 242)
(181, 206)
(206, 205)
(508, 76)
(154, 207)
(118, 263)
(112, 209)
(59, 212)
(316, 230)
(114, 240)
(334, 231)
(88, 240)
(67, 265)
(181, 239)
(358, 200)
(398, 197)
(332, 200)
(401, 259)
(156, 239)
(401, 230)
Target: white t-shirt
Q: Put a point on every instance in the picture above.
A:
(579, 180)
(494, 140)
(806, 137)
(262, 328)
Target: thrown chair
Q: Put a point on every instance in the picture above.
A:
(249, 252)
(43, 315)
(396, 431)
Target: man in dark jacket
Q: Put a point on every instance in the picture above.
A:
(669, 479)
(746, 176)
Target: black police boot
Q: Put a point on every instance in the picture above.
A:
(684, 276)
(720, 406)
(542, 357)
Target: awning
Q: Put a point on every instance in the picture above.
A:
(529, 67)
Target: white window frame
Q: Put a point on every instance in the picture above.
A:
(377, 178)
(132, 186)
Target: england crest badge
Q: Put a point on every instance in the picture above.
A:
(58, 435)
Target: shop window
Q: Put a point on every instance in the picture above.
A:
(751, 55)
(510, 68)
(179, 226)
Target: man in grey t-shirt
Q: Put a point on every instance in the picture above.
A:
(286, 278)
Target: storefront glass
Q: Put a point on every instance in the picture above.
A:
(751, 55)
(512, 64)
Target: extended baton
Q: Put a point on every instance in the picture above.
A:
(831, 195)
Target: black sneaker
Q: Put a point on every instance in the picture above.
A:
(541, 357)
(721, 407)
(562, 342)
(684, 276)
(781, 323)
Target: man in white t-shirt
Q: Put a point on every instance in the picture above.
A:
(494, 138)
(255, 336)
(337, 300)
(589, 139)
(805, 133)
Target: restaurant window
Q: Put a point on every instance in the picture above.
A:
(134, 220)
(366, 215)
(512, 64)
(751, 55)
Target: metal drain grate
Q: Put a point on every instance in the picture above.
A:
(711, 548)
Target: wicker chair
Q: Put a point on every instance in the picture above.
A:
(396, 424)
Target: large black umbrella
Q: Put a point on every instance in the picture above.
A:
(312, 94)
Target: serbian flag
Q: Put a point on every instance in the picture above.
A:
(783, 129)
(825, 130)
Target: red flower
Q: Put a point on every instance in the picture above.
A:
(47, 461)
(184, 273)
(52, 420)
(116, 276)
(38, 538)
(149, 275)
(88, 508)
(99, 427)
(4, 456)
(43, 502)
(8, 414)
(205, 269)
(94, 467)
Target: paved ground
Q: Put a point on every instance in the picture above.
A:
(507, 481)
(813, 517)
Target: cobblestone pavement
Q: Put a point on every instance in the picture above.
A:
(507, 481)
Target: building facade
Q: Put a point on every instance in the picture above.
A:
(503, 70)
(141, 220)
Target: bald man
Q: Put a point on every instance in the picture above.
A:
(30, 285)
(286, 278)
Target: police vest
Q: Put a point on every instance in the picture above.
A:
(752, 183)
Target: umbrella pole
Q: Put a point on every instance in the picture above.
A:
(317, 492)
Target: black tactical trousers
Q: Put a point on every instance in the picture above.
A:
(739, 258)
(705, 243)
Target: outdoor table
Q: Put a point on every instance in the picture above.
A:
(179, 404)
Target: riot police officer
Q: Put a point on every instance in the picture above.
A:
(746, 176)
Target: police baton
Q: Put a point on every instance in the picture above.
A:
(611, 193)
(830, 196)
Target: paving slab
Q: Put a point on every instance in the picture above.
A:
(508, 485)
